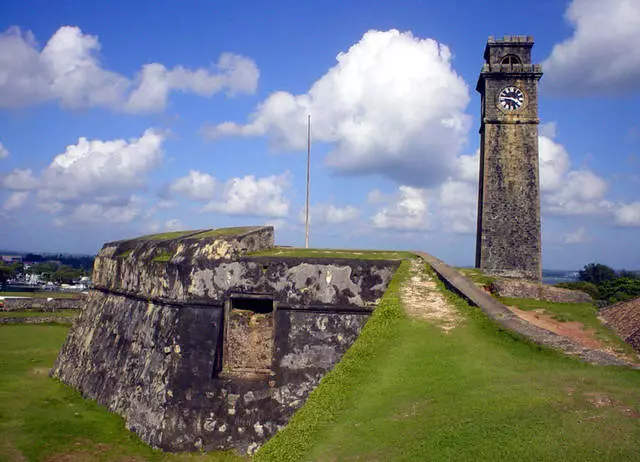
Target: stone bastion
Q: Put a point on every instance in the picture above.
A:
(207, 340)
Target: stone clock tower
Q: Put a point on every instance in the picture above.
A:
(508, 234)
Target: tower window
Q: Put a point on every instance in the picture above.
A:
(510, 60)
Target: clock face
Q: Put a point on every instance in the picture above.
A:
(511, 98)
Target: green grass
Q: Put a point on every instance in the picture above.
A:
(124, 254)
(477, 276)
(331, 253)
(41, 418)
(163, 257)
(163, 236)
(221, 232)
(407, 391)
(584, 313)
(41, 294)
(30, 314)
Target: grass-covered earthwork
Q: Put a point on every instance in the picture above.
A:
(407, 391)
(296, 252)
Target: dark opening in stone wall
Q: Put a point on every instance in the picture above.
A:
(249, 336)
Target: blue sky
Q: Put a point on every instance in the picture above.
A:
(118, 119)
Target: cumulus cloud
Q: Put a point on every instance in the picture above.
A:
(322, 214)
(565, 191)
(458, 201)
(408, 210)
(196, 186)
(258, 197)
(95, 167)
(92, 180)
(602, 55)
(391, 105)
(15, 200)
(4, 152)
(628, 214)
(173, 225)
(98, 213)
(68, 70)
(579, 236)
(20, 180)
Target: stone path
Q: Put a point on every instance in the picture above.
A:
(422, 299)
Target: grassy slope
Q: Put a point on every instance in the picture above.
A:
(35, 314)
(406, 391)
(41, 417)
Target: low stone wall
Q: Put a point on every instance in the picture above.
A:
(520, 288)
(499, 313)
(43, 304)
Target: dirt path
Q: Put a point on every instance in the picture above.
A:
(422, 299)
(571, 329)
(574, 330)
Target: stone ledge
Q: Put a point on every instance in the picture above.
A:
(499, 313)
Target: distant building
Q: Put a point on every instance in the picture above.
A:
(11, 258)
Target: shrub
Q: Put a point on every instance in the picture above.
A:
(587, 287)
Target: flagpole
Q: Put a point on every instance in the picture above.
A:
(306, 225)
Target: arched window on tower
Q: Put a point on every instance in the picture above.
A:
(510, 60)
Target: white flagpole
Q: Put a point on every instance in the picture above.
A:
(306, 226)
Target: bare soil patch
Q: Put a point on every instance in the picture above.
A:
(422, 299)
(571, 329)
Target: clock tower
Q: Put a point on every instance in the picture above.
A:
(508, 239)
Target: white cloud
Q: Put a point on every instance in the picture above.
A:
(565, 191)
(173, 225)
(322, 214)
(259, 197)
(579, 236)
(554, 164)
(458, 202)
(409, 210)
(92, 180)
(196, 185)
(104, 214)
(602, 56)
(68, 70)
(628, 214)
(392, 105)
(15, 200)
(4, 152)
(20, 180)
(94, 167)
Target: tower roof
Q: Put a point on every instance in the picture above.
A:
(508, 40)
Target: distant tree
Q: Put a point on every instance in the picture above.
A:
(18, 267)
(33, 257)
(6, 273)
(45, 267)
(629, 274)
(597, 273)
(66, 275)
(587, 287)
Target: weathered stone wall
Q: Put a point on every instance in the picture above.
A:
(153, 344)
(519, 288)
(43, 304)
